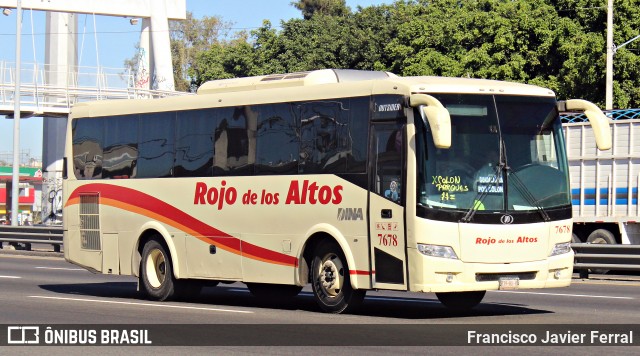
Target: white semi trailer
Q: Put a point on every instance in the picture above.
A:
(604, 184)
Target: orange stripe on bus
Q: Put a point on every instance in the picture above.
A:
(141, 203)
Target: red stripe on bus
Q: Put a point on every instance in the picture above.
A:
(360, 273)
(144, 204)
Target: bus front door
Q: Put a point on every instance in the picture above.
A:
(386, 207)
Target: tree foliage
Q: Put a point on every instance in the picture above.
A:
(559, 44)
(310, 8)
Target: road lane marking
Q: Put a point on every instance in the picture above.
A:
(140, 304)
(61, 268)
(630, 283)
(564, 295)
(10, 277)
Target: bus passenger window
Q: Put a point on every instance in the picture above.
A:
(235, 141)
(277, 140)
(156, 145)
(87, 148)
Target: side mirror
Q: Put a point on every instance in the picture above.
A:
(599, 122)
(437, 116)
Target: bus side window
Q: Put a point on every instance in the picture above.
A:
(235, 141)
(88, 144)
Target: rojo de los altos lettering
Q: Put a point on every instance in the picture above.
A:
(298, 193)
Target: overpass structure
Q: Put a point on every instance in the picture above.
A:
(43, 98)
(49, 90)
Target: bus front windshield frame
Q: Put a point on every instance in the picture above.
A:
(507, 155)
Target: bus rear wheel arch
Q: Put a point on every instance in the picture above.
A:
(330, 279)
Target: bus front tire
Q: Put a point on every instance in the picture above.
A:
(331, 281)
(461, 300)
(156, 272)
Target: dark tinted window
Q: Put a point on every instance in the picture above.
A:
(358, 135)
(120, 147)
(328, 136)
(324, 132)
(87, 148)
(156, 144)
(194, 143)
(277, 140)
(235, 141)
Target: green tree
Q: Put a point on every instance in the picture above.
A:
(310, 8)
(559, 44)
(191, 37)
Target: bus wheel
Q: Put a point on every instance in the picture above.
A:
(461, 300)
(156, 274)
(273, 292)
(330, 280)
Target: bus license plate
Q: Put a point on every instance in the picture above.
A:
(508, 283)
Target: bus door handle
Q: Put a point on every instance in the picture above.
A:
(386, 214)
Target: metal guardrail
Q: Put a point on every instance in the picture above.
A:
(28, 235)
(602, 257)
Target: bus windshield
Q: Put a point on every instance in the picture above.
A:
(507, 154)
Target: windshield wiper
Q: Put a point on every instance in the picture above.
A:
(526, 193)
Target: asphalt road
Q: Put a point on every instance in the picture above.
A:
(48, 290)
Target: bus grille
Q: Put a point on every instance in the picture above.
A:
(491, 277)
(90, 221)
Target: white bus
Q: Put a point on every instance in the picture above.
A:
(348, 180)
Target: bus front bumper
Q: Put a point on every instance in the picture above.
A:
(435, 274)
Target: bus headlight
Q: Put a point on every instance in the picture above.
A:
(561, 248)
(437, 251)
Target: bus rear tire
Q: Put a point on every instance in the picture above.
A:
(461, 300)
(156, 273)
(331, 282)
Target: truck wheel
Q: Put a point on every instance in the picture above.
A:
(601, 236)
(156, 272)
(575, 239)
(461, 300)
(330, 280)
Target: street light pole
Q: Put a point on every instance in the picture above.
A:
(610, 51)
(15, 179)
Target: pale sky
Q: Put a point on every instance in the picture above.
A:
(112, 40)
